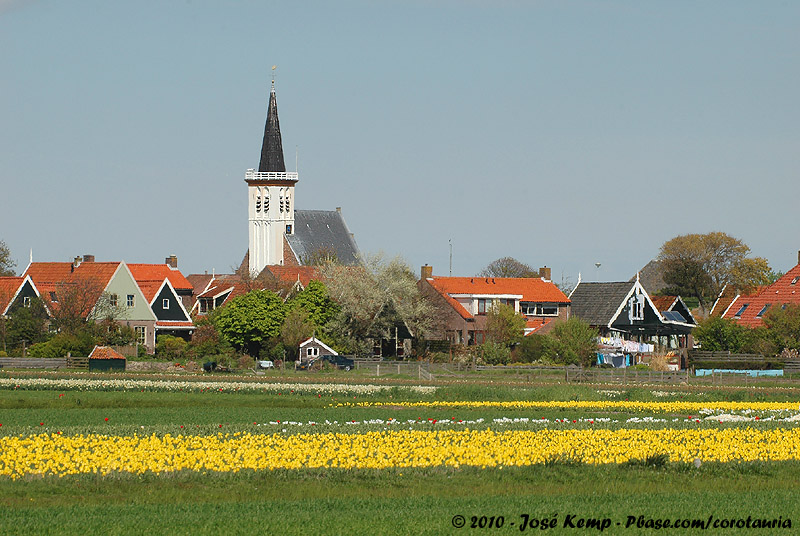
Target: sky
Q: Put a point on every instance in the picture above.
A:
(562, 133)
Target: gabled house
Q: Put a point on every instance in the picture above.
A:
(627, 317)
(95, 291)
(465, 301)
(164, 287)
(16, 292)
(749, 310)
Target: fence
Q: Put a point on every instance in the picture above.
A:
(625, 376)
(33, 362)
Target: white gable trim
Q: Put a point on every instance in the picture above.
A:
(636, 285)
(315, 340)
(174, 295)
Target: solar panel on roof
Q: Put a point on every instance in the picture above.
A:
(674, 316)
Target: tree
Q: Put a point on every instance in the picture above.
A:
(27, 324)
(6, 263)
(504, 325)
(700, 265)
(296, 328)
(508, 267)
(783, 327)
(717, 334)
(572, 342)
(250, 320)
(374, 298)
(315, 300)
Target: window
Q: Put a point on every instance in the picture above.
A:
(794, 281)
(165, 303)
(141, 334)
(509, 302)
(266, 203)
(130, 301)
(539, 309)
(763, 310)
(475, 337)
(26, 301)
(741, 310)
(288, 229)
(637, 307)
(113, 300)
(482, 306)
(258, 203)
(53, 297)
(312, 351)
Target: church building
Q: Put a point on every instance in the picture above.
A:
(280, 235)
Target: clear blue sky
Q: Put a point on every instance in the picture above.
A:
(562, 133)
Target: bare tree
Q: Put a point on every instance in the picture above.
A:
(6, 263)
(508, 267)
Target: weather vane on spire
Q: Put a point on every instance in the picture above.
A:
(273, 75)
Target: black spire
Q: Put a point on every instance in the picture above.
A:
(272, 148)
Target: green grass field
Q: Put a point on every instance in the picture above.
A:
(394, 501)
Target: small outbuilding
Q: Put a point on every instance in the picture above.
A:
(312, 348)
(106, 358)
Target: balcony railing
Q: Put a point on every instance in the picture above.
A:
(253, 175)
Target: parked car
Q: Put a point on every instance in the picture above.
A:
(339, 361)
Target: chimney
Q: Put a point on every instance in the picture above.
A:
(88, 258)
(172, 261)
(798, 257)
(544, 273)
(426, 272)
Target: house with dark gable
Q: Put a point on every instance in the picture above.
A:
(625, 312)
(16, 292)
(164, 287)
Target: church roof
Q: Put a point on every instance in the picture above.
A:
(322, 233)
(272, 147)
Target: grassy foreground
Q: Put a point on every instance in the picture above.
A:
(388, 501)
(411, 502)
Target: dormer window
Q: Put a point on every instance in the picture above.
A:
(637, 307)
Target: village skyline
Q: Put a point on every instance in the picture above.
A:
(561, 135)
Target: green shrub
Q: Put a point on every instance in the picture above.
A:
(169, 347)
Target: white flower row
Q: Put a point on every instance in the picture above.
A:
(177, 385)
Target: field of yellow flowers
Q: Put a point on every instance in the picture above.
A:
(60, 455)
(292, 427)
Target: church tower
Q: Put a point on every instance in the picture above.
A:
(270, 192)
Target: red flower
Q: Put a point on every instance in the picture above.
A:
(106, 418)
(41, 424)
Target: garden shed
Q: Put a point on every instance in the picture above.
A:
(312, 348)
(105, 358)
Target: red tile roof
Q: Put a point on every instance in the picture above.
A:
(104, 352)
(785, 290)
(9, 286)
(58, 276)
(291, 274)
(532, 289)
(159, 272)
(663, 303)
